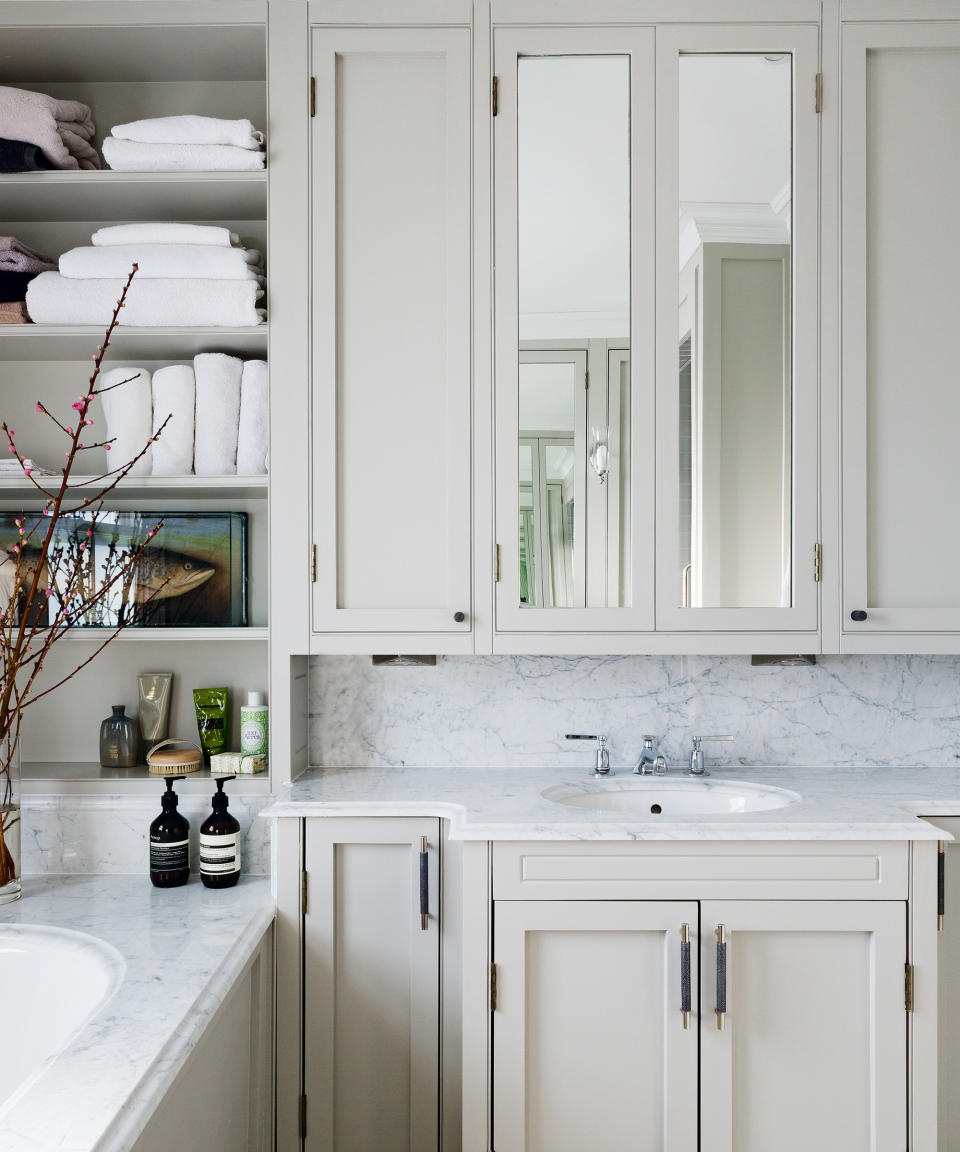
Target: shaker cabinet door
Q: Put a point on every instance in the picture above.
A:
(372, 985)
(391, 238)
(591, 1048)
(901, 404)
(804, 1026)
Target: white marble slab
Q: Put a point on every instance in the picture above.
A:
(109, 835)
(513, 711)
(846, 803)
(183, 949)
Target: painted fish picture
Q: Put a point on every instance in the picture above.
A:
(192, 574)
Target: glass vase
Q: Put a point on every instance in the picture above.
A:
(9, 820)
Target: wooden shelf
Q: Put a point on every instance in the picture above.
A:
(180, 635)
(126, 196)
(79, 342)
(151, 487)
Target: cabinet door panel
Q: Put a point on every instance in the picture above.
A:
(813, 1049)
(372, 987)
(736, 428)
(391, 329)
(589, 1045)
(901, 408)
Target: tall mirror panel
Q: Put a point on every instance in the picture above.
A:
(573, 267)
(734, 361)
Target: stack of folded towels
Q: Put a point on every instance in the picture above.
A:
(218, 417)
(184, 143)
(38, 131)
(188, 275)
(18, 266)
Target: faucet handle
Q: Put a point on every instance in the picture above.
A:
(697, 739)
(696, 755)
(603, 756)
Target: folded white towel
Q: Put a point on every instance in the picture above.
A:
(127, 409)
(174, 395)
(190, 130)
(56, 299)
(132, 156)
(157, 233)
(252, 437)
(61, 129)
(218, 413)
(163, 261)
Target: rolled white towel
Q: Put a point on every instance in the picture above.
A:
(218, 413)
(252, 438)
(132, 156)
(190, 130)
(151, 232)
(161, 261)
(180, 303)
(174, 395)
(127, 409)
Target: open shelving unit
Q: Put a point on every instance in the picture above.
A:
(130, 61)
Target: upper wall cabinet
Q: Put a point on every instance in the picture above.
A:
(655, 316)
(737, 379)
(901, 404)
(391, 364)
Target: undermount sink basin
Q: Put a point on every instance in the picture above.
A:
(659, 797)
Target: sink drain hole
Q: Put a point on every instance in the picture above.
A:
(656, 809)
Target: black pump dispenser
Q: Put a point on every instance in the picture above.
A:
(170, 842)
(220, 842)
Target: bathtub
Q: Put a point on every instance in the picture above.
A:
(51, 982)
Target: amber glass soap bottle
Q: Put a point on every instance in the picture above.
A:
(220, 843)
(170, 843)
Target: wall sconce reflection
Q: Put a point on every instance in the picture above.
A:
(599, 455)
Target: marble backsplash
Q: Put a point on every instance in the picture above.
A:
(109, 835)
(513, 711)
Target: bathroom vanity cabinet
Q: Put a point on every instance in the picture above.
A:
(796, 966)
(743, 994)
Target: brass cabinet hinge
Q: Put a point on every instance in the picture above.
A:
(313, 564)
(496, 563)
(303, 893)
(303, 1117)
(493, 987)
(818, 93)
(495, 95)
(908, 987)
(313, 95)
(586, 381)
(817, 563)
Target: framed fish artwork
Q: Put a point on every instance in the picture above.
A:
(192, 573)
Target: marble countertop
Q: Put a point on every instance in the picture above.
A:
(852, 803)
(183, 948)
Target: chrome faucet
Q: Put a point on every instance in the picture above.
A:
(644, 765)
(603, 756)
(696, 755)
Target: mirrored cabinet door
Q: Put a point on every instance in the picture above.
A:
(574, 240)
(737, 379)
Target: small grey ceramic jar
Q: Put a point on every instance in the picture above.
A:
(119, 740)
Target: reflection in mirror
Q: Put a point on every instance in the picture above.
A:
(573, 164)
(734, 370)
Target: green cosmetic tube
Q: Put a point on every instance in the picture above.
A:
(213, 721)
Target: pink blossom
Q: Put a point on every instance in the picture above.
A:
(107, 447)
(27, 471)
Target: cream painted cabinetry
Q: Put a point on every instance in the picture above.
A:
(391, 359)
(371, 985)
(797, 1036)
(901, 409)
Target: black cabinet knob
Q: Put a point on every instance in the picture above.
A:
(459, 617)
(859, 615)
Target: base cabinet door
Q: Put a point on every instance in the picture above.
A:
(803, 1026)
(372, 985)
(591, 1048)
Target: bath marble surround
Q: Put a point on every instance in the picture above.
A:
(513, 711)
